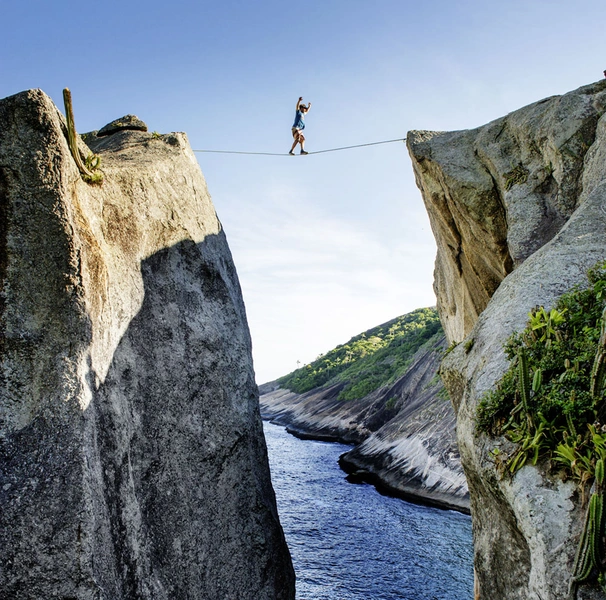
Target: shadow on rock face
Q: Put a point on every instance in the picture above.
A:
(183, 459)
(161, 486)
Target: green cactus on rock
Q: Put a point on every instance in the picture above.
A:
(590, 553)
(551, 404)
(89, 168)
(598, 372)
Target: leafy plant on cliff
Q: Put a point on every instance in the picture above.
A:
(551, 404)
(558, 348)
(369, 360)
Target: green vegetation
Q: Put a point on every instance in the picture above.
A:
(391, 403)
(551, 404)
(559, 348)
(516, 176)
(93, 164)
(451, 347)
(369, 360)
(89, 168)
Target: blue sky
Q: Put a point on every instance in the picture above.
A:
(326, 246)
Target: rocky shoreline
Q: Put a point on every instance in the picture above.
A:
(405, 448)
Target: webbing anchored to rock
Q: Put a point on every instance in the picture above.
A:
(286, 154)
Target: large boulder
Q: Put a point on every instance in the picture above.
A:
(132, 458)
(497, 194)
(518, 211)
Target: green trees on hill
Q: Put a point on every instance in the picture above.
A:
(369, 360)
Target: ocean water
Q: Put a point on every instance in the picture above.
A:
(348, 542)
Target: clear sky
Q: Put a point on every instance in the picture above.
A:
(326, 246)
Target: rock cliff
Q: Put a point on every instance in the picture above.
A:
(518, 209)
(404, 432)
(132, 458)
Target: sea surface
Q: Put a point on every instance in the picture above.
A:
(348, 542)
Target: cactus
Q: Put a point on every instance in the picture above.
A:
(571, 428)
(537, 381)
(596, 508)
(524, 386)
(582, 563)
(530, 438)
(544, 404)
(598, 372)
(92, 161)
(524, 377)
(599, 472)
(590, 553)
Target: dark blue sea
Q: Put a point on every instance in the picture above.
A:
(348, 542)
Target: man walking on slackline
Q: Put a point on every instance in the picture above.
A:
(299, 126)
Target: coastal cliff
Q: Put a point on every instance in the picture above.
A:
(132, 457)
(403, 432)
(517, 208)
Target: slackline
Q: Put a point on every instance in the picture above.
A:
(309, 153)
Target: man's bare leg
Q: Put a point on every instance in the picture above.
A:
(294, 145)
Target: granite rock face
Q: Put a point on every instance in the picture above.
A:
(132, 458)
(404, 433)
(518, 208)
(497, 194)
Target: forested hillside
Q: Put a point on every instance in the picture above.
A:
(370, 360)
